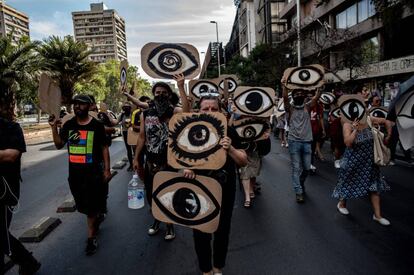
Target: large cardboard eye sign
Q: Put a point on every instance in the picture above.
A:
(352, 107)
(251, 128)
(194, 203)
(164, 60)
(254, 101)
(306, 77)
(327, 98)
(404, 109)
(194, 141)
(203, 87)
(123, 74)
(50, 95)
(380, 112)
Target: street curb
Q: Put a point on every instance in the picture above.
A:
(40, 230)
(119, 165)
(67, 206)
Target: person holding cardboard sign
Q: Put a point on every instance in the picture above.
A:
(212, 259)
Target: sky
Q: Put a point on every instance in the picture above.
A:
(172, 21)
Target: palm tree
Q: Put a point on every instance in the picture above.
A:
(18, 64)
(67, 62)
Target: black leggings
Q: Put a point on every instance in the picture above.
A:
(127, 147)
(202, 241)
(19, 253)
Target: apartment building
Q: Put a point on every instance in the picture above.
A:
(14, 22)
(335, 32)
(103, 30)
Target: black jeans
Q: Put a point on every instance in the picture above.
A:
(127, 147)
(202, 241)
(10, 245)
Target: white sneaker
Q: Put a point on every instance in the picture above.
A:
(313, 168)
(342, 210)
(382, 221)
(392, 163)
(337, 164)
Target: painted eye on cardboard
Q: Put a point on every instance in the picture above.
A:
(186, 201)
(254, 101)
(196, 137)
(327, 98)
(204, 88)
(353, 109)
(232, 84)
(378, 112)
(336, 113)
(407, 109)
(250, 129)
(168, 60)
(305, 76)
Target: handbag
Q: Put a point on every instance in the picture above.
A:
(382, 154)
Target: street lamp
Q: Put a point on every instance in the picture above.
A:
(218, 47)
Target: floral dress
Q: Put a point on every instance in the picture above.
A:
(359, 175)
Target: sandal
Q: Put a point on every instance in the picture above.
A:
(247, 204)
(252, 195)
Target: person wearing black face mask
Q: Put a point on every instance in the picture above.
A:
(154, 136)
(125, 121)
(300, 136)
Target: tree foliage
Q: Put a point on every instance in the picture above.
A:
(66, 60)
(18, 64)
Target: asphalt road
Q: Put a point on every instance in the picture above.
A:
(275, 236)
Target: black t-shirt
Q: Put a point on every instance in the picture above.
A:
(85, 143)
(104, 119)
(11, 137)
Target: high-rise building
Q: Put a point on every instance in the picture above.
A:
(13, 21)
(103, 30)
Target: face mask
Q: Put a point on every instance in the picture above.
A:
(161, 103)
(298, 101)
(127, 111)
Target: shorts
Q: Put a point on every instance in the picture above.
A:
(89, 191)
(252, 169)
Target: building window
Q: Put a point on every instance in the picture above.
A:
(370, 50)
(355, 14)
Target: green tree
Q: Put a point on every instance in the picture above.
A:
(66, 60)
(18, 64)
(105, 84)
(263, 67)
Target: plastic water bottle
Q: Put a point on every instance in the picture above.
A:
(135, 193)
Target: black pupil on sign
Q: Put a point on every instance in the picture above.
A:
(186, 203)
(249, 132)
(353, 110)
(254, 101)
(198, 135)
(379, 114)
(204, 88)
(304, 75)
(170, 61)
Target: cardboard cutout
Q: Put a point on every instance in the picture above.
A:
(123, 74)
(194, 203)
(203, 87)
(132, 137)
(308, 77)
(352, 107)
(251, 128)
(194, 141)
(232, 82)
(327, 98)
(380, 112)
(336, 112)
(280, 108)
(254, 101)
(164, 60)
(50, 95)
(404, 110)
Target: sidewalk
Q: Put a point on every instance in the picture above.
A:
(37, 133)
